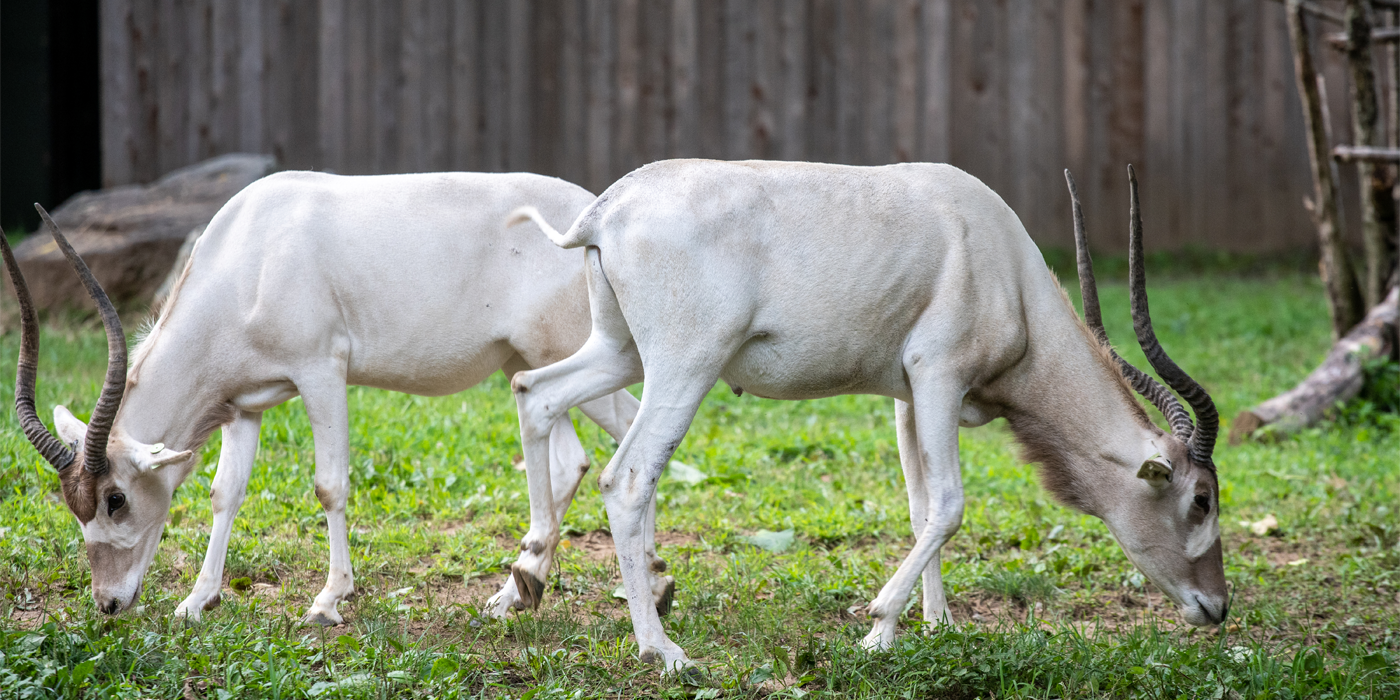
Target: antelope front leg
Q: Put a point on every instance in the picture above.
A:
(330, 427)
(912, 461)
(935, 417)
(240, 447)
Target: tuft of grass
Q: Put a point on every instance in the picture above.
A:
(1019, 586)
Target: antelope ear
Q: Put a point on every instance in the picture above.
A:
(148, 458)
(1156, 471)
(70, 430)
(162, 457)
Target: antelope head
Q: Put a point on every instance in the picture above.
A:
(1167, 519)
(117, 487)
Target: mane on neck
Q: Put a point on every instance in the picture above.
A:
(1055, 438)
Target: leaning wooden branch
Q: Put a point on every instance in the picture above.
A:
(1343, 293)
(1337, 379)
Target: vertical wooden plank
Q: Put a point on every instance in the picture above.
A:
(978, 138)
(223, 77)
(519, 115)
(546, 45)
(412, 90)
(875, 77)
(1240, 227)
(356, 154)
(1187, 102)
(573, 84)
(332, 85)
(466, 86)
(411, 155)
(306, 109)
(905, 105)
(277, 85)
(437, 118)
(711, 73)
(494, 100)
(935, 128)
(823, 68)
(850, 44)
(762, 45)
(1213, 205)
(1124, 127)
(601, 38)
(793, 101)
(1283, 156)
(683, 141)
(1075, 46)
(198, 145)
(1047, 215)
(737, 33)
(1020, 116)
(385, 65)
(654, 23)
(251, 67)
(172, 82)
(1159, 150)
(119, 99)
(628, 81)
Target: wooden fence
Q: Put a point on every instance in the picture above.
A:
(1198, 94)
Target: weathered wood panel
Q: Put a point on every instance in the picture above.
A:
(1197, 93)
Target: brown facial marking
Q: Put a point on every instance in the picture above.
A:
(80, 491)
(1208, 572)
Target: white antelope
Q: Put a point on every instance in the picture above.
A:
(915, 281)
(302, 284)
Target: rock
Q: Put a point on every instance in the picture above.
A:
(131, 235)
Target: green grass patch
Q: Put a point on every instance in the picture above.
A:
(1046, 604)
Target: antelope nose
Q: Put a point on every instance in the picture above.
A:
(1211, 615)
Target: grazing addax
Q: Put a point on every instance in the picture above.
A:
(302, 284)
(914, 281)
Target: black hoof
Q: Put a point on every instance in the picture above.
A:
(695, 677)
(663, 606)
(530, 588)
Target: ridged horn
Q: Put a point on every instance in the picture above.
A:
(51, 448)
(100, 425)
(1202, 442)
(1141, 382)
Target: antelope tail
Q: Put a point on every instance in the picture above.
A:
(529, 213)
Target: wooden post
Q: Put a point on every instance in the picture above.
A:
(1343, 296)
(1377, 202)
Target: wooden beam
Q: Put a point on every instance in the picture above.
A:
(1383, 35)
(1347, 154)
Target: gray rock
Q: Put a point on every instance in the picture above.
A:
(130, 236)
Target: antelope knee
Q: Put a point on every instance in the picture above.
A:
(536, 417)
(332, 496)
(223, 500)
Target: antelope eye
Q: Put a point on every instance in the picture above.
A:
(114, 503)
(1204, 503)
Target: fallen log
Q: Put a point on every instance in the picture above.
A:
(1338, 379)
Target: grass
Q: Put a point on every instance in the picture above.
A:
(1046, 603)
